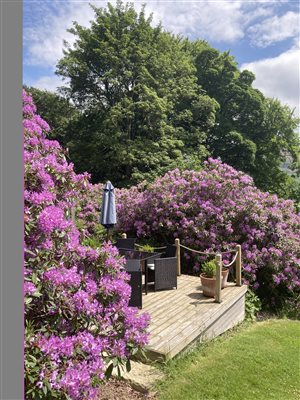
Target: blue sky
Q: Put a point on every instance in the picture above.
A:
(263, 36)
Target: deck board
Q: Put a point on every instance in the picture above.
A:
(179, 317)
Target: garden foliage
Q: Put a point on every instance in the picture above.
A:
(148, 101)
(214, 210)
(77, 319)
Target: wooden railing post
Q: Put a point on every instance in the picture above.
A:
(238, 268)
(177, 244)
(124, 235)
(218, 278)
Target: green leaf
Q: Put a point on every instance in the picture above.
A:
(119, 371)
(31, 378)
(109, 371)
(128, 366)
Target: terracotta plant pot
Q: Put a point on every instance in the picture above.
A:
(225, 273)
(209, 284)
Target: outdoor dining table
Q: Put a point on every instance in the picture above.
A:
(143, 257)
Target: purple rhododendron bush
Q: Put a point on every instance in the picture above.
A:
(77, 319)
(214, 210)
(87, 209)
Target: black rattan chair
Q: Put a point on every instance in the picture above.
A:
(169, 252)
(126, 243)
(133, 268)
(163, 272)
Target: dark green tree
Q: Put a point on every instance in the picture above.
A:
(143, 112)
(252, 133)
(278, 156)
(55, 109)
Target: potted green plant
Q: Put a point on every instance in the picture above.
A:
(208, 278)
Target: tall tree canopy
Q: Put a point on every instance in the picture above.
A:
(143, 109)
(150, 101)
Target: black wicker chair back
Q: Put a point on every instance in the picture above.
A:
(133, 268)
(170, 250)
(164, 274)
(125, 243)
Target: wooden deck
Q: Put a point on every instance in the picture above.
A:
(181, 317)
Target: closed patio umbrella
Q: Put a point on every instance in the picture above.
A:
(108, 217)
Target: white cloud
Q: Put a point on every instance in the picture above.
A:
(278, 77)
(275, 29)
(44, 38)
(217, 21)
(213, 21)
(260, 11)
(210, 20)
(50, 83)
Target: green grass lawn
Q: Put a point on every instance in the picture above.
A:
(260, 361)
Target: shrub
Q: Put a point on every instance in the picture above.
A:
(87, 210)
(209, 268)
(214, 210)
(147, 247)
(77, 319)
(252, 305)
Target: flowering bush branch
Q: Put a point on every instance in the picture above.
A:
(77, 319)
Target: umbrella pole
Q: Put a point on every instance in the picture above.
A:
(108, 237)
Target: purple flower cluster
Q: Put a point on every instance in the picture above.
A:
(84, 361)
(76, 298)
(52, 218)
(213, 210)
(63, 276)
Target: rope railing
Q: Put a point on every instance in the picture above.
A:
(208, 253)
(232, 262)
(197, 251)
(228, 251)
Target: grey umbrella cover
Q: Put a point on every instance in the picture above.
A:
(108, 216)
